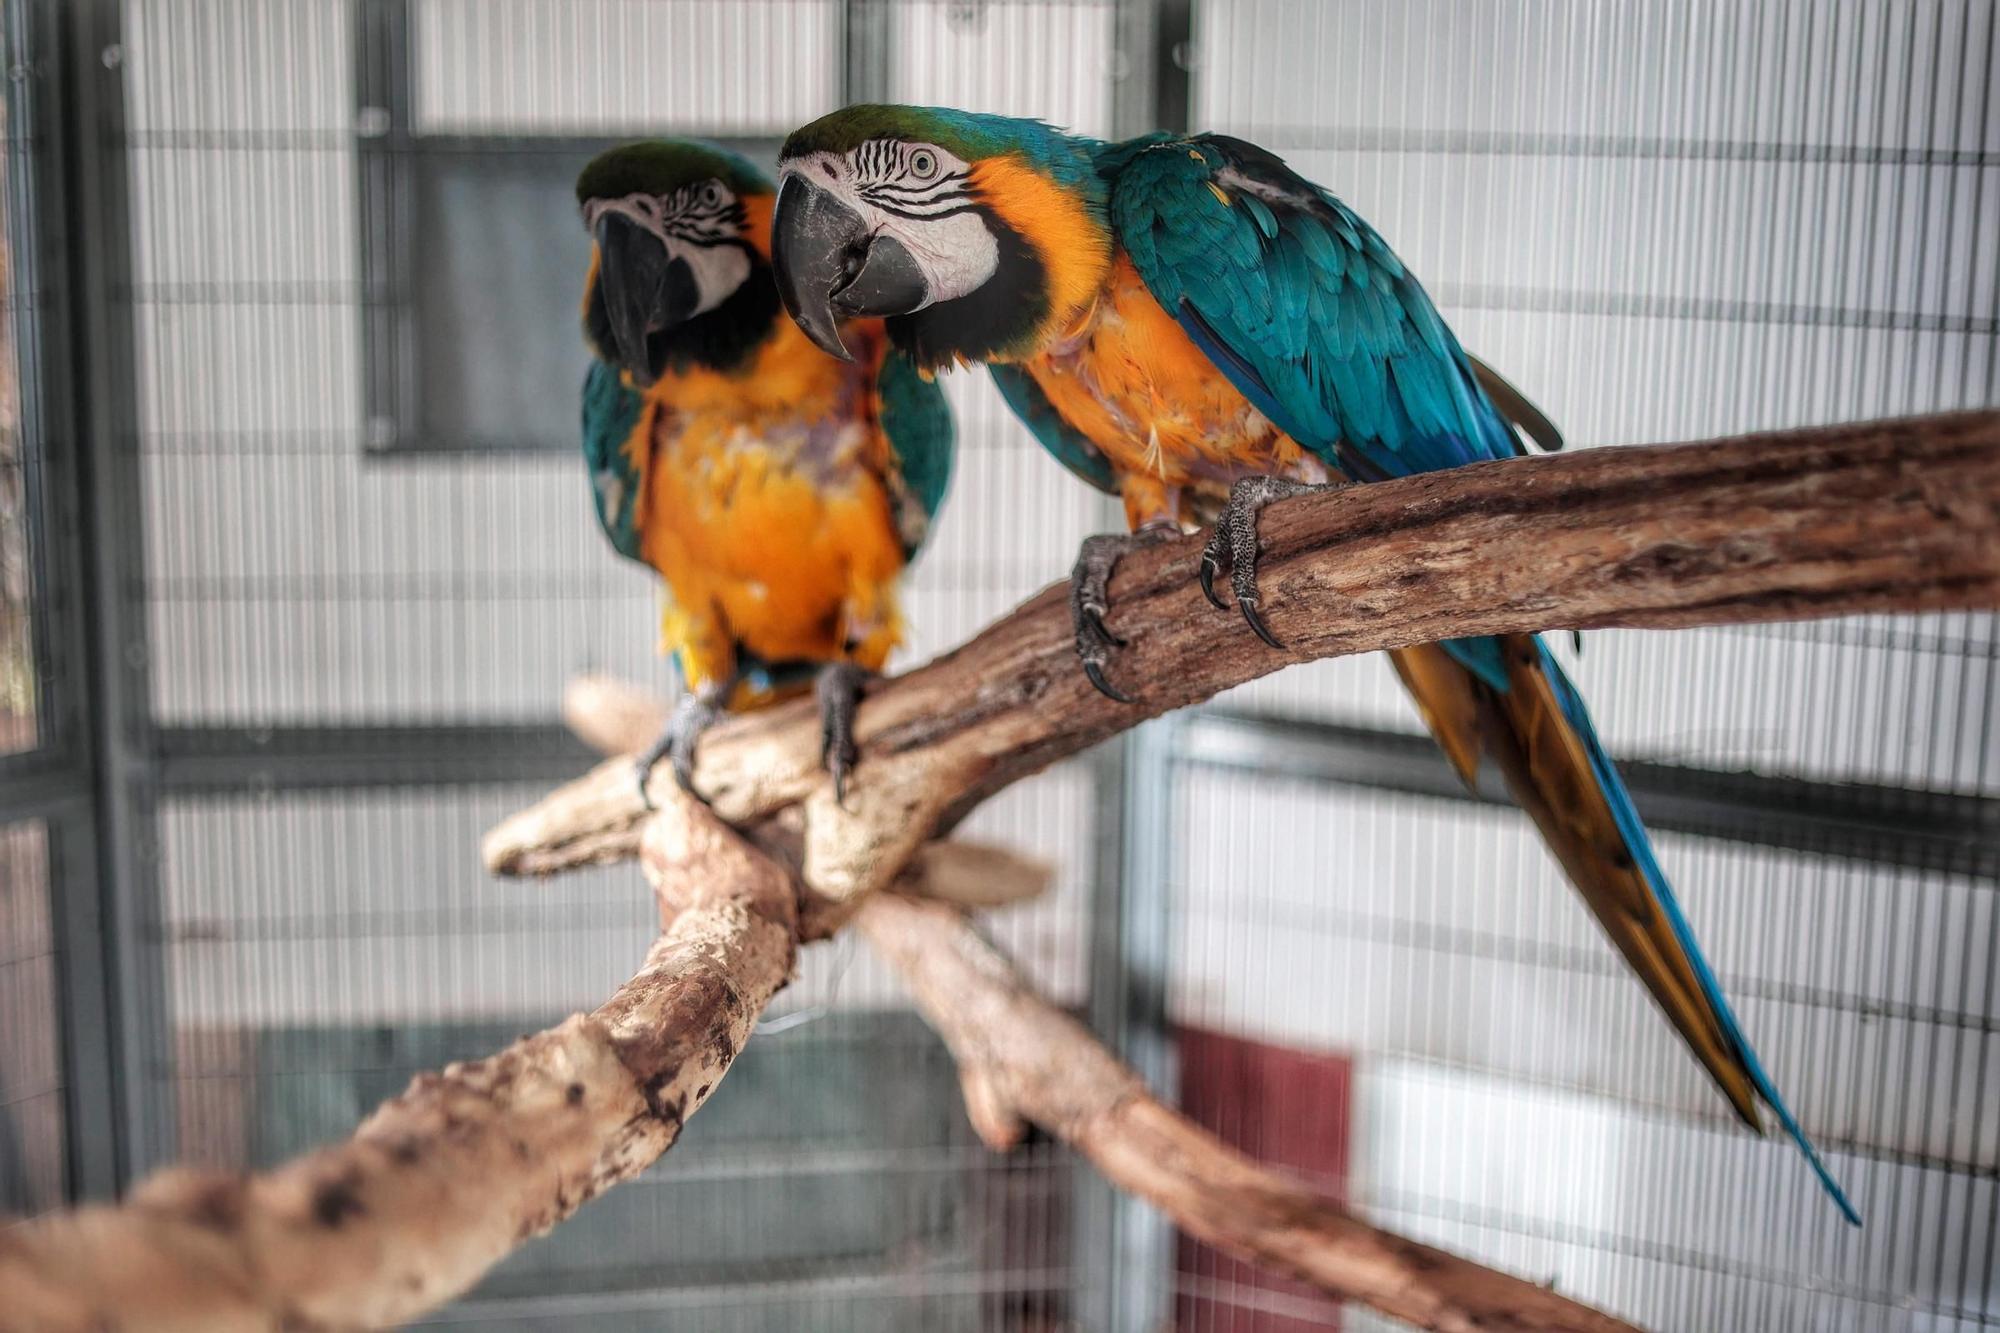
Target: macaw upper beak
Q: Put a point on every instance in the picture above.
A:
(646, 292)
(831, 267)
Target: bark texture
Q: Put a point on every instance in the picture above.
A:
(1887, 516)
(440, 1183)
(1021, 1059)
(444, 1180)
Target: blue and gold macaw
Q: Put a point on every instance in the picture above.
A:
(1188, 324)
(779, 492)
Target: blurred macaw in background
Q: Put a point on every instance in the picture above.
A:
(779, 492)
(1188, 324)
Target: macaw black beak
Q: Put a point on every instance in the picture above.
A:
(830, 267)
(646, 292)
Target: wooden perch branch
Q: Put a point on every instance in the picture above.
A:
(445, 1180)
(440, 1183)
(1888, 516)
(1022, 1059)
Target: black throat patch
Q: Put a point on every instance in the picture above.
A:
(996, 319)
(722, 339)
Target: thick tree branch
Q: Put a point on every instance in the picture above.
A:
(1022, 1059)
(1888, 516)
(443, 1181)
(439, 1184)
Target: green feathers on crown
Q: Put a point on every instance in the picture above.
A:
(1066, 158)
(661, 166)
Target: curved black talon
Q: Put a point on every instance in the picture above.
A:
(1210, 567)
(1105, 687)
(1089, 599)
(1249, 608)
(1095, 620)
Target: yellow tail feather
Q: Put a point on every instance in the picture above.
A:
(1549, 772)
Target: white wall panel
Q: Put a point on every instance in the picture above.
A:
(1050, 60)
(746, 67)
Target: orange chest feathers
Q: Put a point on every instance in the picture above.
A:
(765, 510)
(1138, 388)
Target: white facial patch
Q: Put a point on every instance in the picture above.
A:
(699, 224)
(922, 196)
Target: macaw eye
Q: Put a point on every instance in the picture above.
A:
(711, 194)
(923, 164)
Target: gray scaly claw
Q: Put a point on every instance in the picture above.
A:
(1089, 600)
(695, 713)
(1233, 543)
(838, 690)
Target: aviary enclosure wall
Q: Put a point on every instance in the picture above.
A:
(295, 556)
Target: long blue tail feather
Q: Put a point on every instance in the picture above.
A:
(1485, 658)
(1641, 847)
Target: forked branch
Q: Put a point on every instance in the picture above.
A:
(441, 1182)
(1022, 1059)
(1886, 516)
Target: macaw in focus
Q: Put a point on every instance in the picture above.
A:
(778, 492)
(1186, 323)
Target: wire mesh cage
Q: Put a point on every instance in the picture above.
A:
(296, 556)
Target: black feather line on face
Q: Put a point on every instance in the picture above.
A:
(952, 212)
(722, 339)
(995, 320)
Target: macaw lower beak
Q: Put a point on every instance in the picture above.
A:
(646, 291)
(831, 267)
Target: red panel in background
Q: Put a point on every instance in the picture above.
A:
(1287, 1109)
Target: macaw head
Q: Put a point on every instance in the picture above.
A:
(975, 237)
(680, 272)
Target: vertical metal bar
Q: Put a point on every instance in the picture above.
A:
(37, 213)
(382, 91)
(23, 30)
(35, 220)
(1152, 39)
(1094, 1203)
(865, 35)
(125, 863)
(1125, 1250)
(83, 990)
(1134, 75)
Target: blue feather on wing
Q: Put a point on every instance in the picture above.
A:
(1311, 316)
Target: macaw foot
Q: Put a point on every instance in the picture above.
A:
(1089, 599)
(1233, 543)
(838, 690)
(697, 712)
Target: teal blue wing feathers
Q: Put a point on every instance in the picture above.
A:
(611, 411)
(1306, 310)
(1301, 305)
(922, 445)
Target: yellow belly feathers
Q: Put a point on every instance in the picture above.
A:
(766, 513)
